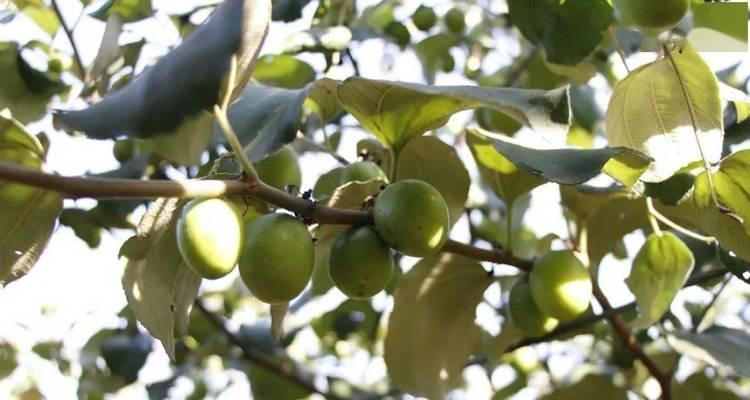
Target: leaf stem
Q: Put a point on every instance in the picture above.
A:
(652, 217)
(654, 213)
(220, 112)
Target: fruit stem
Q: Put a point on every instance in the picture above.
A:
(220, 112)
(653, 212)
(652, 218)
(691, 113)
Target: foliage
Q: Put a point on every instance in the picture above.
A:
(414, 198)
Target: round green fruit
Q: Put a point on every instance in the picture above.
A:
(455, 20)
(424, 18)
(209, 236)
(277, 259)
(123, 150)
(650, 16)
(362, 171)
(398, 33)
(360, 264)
(525, 313)
(447, 63)
(560, 285)
(411, 216)
(280, 169)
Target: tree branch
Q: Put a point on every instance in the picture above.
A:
(69, 33)
(261, 359)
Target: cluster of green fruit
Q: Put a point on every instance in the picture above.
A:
(558, 289)
(275, 252)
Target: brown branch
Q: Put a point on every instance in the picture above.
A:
(259, 358)
(69, 33)
(622, 330)
(78, 187)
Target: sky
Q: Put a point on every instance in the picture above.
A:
(74, 291)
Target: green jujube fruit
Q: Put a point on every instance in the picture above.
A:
(650, 16)
(277, 258)
(526, 314)
(360, 263)
(560, 285)
(280, 169)
(424, 18)
(411, 216)
(210, 233)
(362, 171)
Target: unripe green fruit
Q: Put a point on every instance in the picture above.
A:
(363, 171)
(560, 285)
(447, 63)
(280, 169)
(123, 150)
(277, 259)
(399, 33)
(424, 18)
(455, 21)
(526, 314)
(210, 233)
(650, 16)
(411, 216)
(360, 264)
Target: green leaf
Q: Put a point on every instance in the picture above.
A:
(155, 103)
(660, 270)
(109, 48)
(699, 387)
(159, 286)
(43, 16)
(590, 387)
(432, 51)
(502, 176)
(318, 39)
(288, 10)
(268, 385)
(266, 118)
(608, 223)
(568, 30)
(727, 18)
(431, 331)
(582, 200)
(283, 71)
(24, 90)
(129, 10)
(28, 215)
(125, 355)
(8, 360)
(672, 191)
(738, 267)
(574, 166)
(397, 112)
(354, 319)
(429, 159)
(648, 113)
(188, 142)
(717, 346)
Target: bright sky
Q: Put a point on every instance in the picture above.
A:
(74, 291)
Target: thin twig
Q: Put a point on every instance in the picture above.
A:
(711, 303)
(355, 64)
(69, 33)
(652, 217)
(261, 359)
(618, 48)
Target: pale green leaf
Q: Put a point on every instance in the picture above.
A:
(429, 159)
(159, 286)
(608, 223)
(283, 71)
(502, 176)
(717, 345)
(431, 331)
(397, 112)
(648, 113)
(188, 142)
(28, 214)
(581, 200)
(44, 18)
(660, 270)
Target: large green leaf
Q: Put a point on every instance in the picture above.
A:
(590, 387)
(266, 118)
(283, 71)
(717, 345)
(159, 286)
(660, 270)
(431, 331)
(648, 113)
(610, 222)
(23, 89)
(28, 214)
(574, 166)
(502, 176)
(429, 159)
(568, 30)
(182, 83)
(397, 112)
